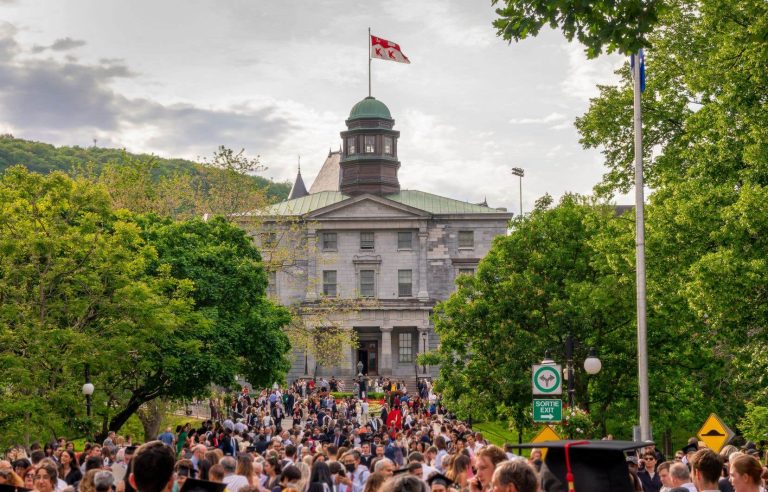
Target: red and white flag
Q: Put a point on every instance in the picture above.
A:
(387, 50)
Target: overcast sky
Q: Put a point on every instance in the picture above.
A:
(177, 78)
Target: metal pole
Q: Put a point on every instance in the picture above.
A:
(642, 336)
(88, 397)
(521, 195)
(569, 367)
(369, 62)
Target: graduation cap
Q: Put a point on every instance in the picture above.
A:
(6, 487)
(439, 479)
(586, 466)
(195, 485)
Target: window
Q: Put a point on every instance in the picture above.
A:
(404, 283)
(329, 241)
(329, 283)
(388, 141)
(466, 239)
(367, 283)
(405, 348)
(366, 240)
(351, 148)
(466, 271)
(269, 240)
(370, 144)
(272, 284)
(404, 240)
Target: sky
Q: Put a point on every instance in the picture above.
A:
(178, 78)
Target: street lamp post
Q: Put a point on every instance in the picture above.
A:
(592, 366)
(424, 350)
(520, 172)
(360, 389)
(88, 390)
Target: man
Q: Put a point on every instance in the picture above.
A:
(198, 456)
(681, 477)
(365, 455)
(705, 468)
(167, 437)
(514, 476)
(356, 474)
(153, 468)
(441, 452)
(234, 482)
(663, 471)
(487, 460)
(385, 466)
(124, 485)
(648, 477)
(109, 442)
(426, 470)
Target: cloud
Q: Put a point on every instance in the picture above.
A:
(550, 118)
(61, 44)
(583, 75)
(67, 102)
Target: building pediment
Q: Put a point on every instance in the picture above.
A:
(367, 206)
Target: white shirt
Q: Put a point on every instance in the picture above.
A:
(235, 482)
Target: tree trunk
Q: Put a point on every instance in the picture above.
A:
(121, 417)
(151, 415)
(667, 442)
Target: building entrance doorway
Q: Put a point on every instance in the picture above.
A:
(368, 354)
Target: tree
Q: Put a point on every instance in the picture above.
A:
(621, 25)
(157, 308)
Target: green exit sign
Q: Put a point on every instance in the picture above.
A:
(547, 411)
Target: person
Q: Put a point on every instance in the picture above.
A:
(745, 473)
(124, 485)
(375, 482)
(514, 476)
(320, 480)
(167, 437)
(70, 469)
(648, 476)
(457, 472)
(234, 481)
(103, 481)
(486, 461)
(181, 441)
(706, 467)
(404, 483)
(663, 471)
(245, 468)
(45, 477)
(439, 483)
(681, 477)
(152, 469)
(272, 470)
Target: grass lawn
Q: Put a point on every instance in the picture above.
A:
(134, 428)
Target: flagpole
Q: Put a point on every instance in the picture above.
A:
(642, 334)
(369, 62)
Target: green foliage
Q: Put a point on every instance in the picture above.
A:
(45, 158)
(156, 308)
(577, 424)
(620, 25)
(754, 424)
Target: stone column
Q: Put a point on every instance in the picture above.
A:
(313, 281)
(386, 351)
(423, 291)
(345, 364)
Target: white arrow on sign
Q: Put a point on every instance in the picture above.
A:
(548, 416)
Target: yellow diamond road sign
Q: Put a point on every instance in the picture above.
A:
(546, 434)
(714, 433)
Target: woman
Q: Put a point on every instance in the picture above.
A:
(70, 468)
(87, 483)
(746, 473)
(46, 477)
(457, 473)
(184, 469)
(289, 479)
(320, 480)
(245, 468)
(181, 439)
(29, 478)
(272, 470)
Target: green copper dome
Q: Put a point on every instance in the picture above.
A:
(369, 108)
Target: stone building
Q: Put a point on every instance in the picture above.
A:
(362, 236)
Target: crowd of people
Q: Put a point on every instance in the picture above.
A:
(305, 439)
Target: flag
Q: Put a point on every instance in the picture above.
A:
(387, 50)
(640, 56)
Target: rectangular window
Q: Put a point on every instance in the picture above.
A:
(366, 240)
(272, 285)
(466, 271)
(405, 240)
(370, 144)
(388, 145)
(329, 241)
(404, 283)
(351, 148)
(405, 347)
(466, 239)
(329, 283)
(367, 283)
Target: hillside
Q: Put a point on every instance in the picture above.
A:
(45, 158)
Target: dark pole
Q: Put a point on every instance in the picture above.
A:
(88, 397)
(569, 367)
(424, 351)
(306, 363)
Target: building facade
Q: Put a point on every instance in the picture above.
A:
(357, 235)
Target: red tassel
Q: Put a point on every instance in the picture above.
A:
(568, 470)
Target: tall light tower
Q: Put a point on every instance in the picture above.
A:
(519, 172)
